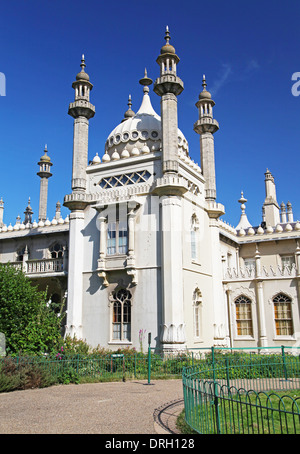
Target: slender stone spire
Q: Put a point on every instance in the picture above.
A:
(81, 110)
(168, 86)
(28, 213)
(244, 223)
(44, 173)
(206, 126)
(129, 112)
(270, 204)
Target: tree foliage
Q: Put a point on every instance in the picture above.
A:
(30, 326)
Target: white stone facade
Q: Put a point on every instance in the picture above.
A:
(144, 247)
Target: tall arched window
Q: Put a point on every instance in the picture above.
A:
(243, 316)
(283, 315)
(197, 313)
(194, 237)
(121, 315)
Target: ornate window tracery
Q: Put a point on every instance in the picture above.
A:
(121, 315)
(283, 315)
(243, 316)
(124, 179)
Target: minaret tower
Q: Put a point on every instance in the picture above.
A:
(169, 86)
(44, 173)
(206, 126)
(170, 189)
(81, 110)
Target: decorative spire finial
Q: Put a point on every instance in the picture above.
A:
(83, 65)
(167, 35)
(204, 84)
(145, 81)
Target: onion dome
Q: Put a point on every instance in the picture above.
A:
(204, 94)
(125, 154)
(96, 159)
(82, 75)
(167, 48)
(129, 113)
(143, 128)
(106, 157)
(45, 157)
(115, 156)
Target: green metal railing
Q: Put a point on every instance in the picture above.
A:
(242, 393)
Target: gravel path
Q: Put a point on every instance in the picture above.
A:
(133, 407)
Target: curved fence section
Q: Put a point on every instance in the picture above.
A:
(250, 394)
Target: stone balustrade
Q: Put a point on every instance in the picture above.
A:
(267, 272)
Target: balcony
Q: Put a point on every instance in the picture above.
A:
(42, 268)
(271, 272)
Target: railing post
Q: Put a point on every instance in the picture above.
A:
(284, 362)
(227, 372)
(149, 358)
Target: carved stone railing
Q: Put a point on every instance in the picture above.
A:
(232, 274)
(42, 266)
(45, 266)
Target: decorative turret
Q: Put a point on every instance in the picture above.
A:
(244, 223)
(129, 112)
(28, 214)
(169, 86)
(270, 204)
(81, 110)
(44, 173)
(206, 126)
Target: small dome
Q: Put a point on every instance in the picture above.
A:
(96, 159)
(205, 95)
(135, 151)
(167, 49)
(83, 76)
(125, 154)
(106, 157)
(115, 156)
(45, 157)
(145, 149)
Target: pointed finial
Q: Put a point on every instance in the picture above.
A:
(204, 84)
(167, 35)
(83, 65)
(129, 102)
(145, 81)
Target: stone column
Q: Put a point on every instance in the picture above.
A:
(75, 285)
(80, 153)
(262, 333)
(173, 328)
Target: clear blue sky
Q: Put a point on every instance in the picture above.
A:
(248, 51)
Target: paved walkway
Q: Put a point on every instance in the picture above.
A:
(133, 407)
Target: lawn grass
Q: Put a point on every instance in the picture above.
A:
(247, 413)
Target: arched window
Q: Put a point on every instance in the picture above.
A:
(194, 236)
(283, 315)
(243, 316)
(197, 313)
(56, 251)
(121, 315)
(21, 252)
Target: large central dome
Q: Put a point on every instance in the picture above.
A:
(139, 133)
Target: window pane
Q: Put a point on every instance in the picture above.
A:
(193, 245)
(117, 331)
(243, 316)
(111, 238)
(122, 237)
